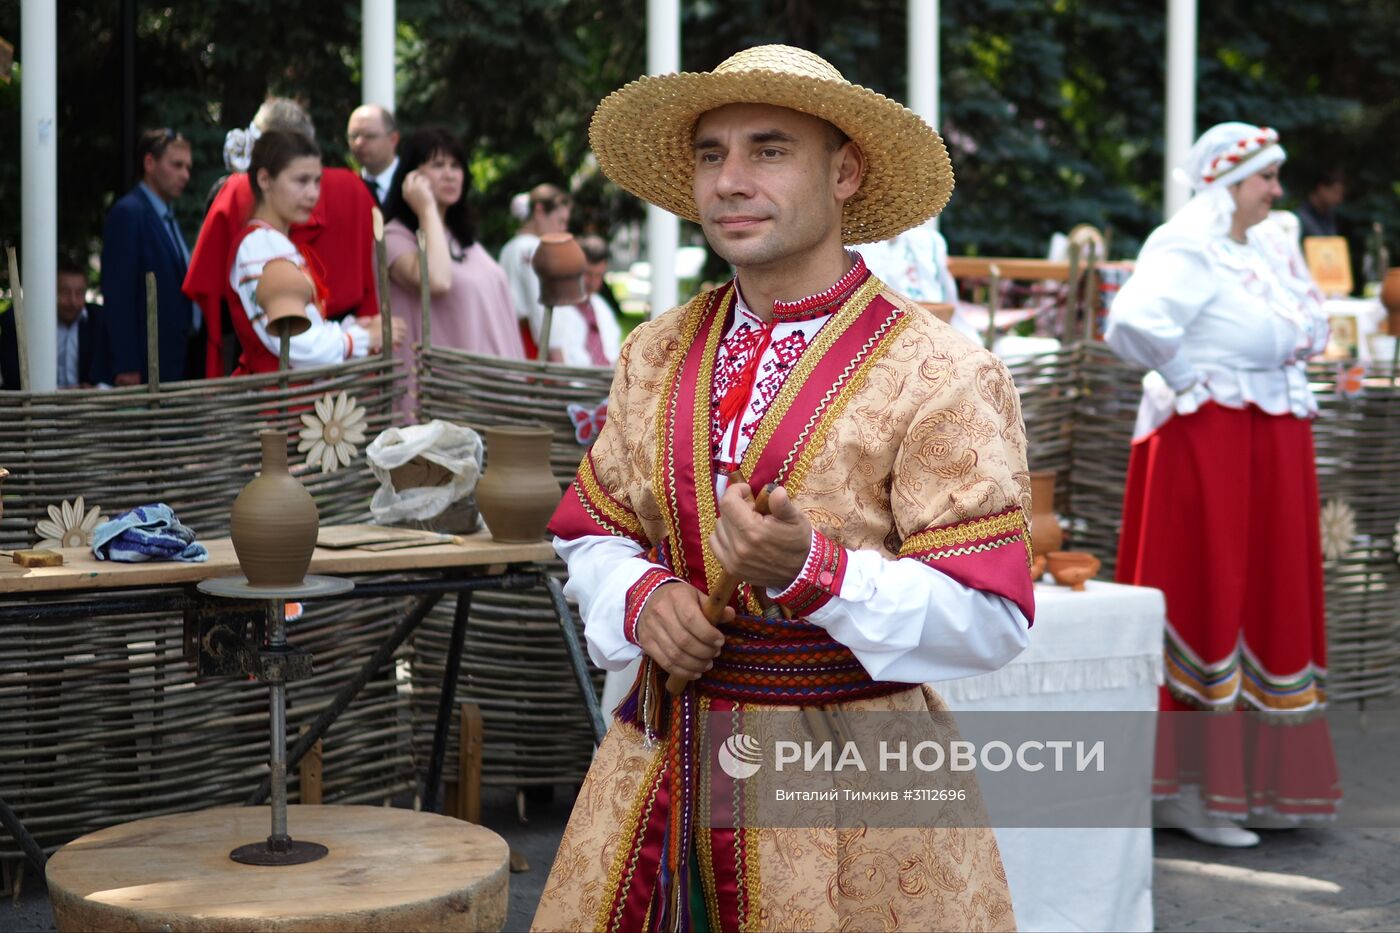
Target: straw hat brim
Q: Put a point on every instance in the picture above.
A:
(641, 135)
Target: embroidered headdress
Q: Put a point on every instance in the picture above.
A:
(641, 135)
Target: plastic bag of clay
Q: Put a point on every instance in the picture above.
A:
(423, 470)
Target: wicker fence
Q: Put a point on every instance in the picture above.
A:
(102, 721)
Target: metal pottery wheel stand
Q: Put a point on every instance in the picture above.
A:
(277, 665)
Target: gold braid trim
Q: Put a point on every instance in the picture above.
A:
(831, 407)
(603, 508)
(705, 507)
(937, 539)
(806, 364)
(625, 861)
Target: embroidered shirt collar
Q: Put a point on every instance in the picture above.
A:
(815, 306)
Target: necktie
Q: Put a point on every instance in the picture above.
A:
(179, 238)
(593, 343)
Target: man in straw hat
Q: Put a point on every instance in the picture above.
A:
(896, 549)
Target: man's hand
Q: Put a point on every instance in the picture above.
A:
(127, 379)
(762, 550)
(674, 632)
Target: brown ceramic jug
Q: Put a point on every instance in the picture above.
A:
(1046, 535)
(274, 521)
(518, 493)
(559, 263)
(283, 293)
(1390, 297)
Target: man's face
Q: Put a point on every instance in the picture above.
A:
(168, 175)
(770, 182)
(372, 146)
(72, 295)
(1332, 194)
(593, 276)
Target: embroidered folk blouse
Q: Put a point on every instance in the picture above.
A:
(904, 620)
(1219, 321)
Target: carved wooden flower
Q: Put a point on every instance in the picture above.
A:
(329, 436)
(67, 525)
(1338, 529)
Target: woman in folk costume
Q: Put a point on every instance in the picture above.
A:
(1221, 509)
(286, 175)
(896, 548)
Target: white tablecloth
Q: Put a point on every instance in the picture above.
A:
(1096, 650)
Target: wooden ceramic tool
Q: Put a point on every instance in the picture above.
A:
(720, 596)
(39, 557)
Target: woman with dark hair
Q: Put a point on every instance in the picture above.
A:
(471, 306)
(285, 174)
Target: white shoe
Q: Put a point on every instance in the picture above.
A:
(1188, 814)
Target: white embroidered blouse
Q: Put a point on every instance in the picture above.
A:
(1217, 320)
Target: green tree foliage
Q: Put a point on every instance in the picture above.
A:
(1053, 109)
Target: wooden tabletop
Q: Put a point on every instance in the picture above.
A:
(82, 571)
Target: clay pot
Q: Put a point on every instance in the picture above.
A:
(518, 493)
(1390, 297)
(1046, 534)
(1073, 568)
(559, 263)
(283, 293)
(1037, 567)
(941, 310)
(274, 521)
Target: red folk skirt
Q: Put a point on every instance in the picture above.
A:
(1221, 514)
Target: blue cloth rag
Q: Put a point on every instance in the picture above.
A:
(147, 532)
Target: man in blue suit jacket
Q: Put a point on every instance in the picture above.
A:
(141, 235)
(79, 331)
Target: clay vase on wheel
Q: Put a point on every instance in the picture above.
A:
(274, 521)
(1390, 297)
(1046, 535)
(518, 492)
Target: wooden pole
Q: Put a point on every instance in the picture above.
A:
(424, 293)
(993, 304)
(469, 764)
(17, 311)
(381, 255)
(152, 336)
(545, 325)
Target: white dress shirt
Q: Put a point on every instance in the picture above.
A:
(382, 180)
(67, 336)
(903, 620)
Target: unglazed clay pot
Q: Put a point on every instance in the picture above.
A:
(283, 293)
(1037, 567)
(1390, 297)
(518, 493)
(274, 521)
(1073, 568)
(559, 263)
(1046, 534)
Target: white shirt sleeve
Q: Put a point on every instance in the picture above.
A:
(602, 569)
(324, 342)
(567, 334)
(1165, 293)
(903, 621)
(907, 622)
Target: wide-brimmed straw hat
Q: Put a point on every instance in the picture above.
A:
(642, 134)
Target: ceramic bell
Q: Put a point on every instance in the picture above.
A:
(559, 263)
(283, 293)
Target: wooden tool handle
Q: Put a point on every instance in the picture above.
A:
(720, 596)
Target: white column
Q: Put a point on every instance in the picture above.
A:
(922, 53)
(1181, 99)
(663, 227)
(377, 52)
(38, 106)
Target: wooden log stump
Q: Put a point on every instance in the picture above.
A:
(388, 869)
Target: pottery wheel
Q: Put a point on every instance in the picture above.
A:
(388, 869)
(310, 587)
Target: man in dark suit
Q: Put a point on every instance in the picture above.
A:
(79, 329)
(373, 135)
(142, 235)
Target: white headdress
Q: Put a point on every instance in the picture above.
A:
(238, 148)
(1225, 154)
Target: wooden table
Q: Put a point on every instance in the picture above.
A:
(388, 869)
(85, 586)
